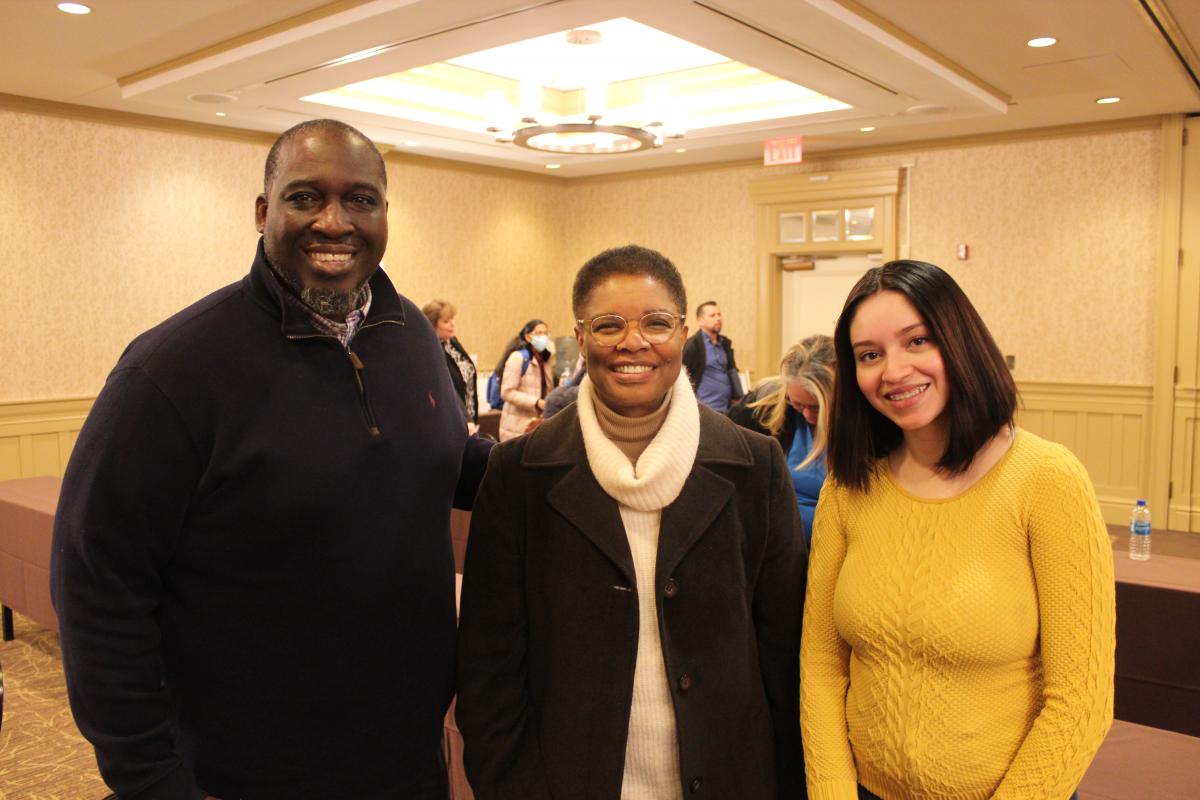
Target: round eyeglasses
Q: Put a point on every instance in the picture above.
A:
(657, 327)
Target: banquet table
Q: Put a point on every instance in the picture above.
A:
(26, 518)
(1158, 631)
(1158, 603)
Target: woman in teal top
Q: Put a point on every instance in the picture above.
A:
(793, 407)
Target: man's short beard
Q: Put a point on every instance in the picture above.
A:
(333, 304)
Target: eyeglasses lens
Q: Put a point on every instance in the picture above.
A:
(655, 328)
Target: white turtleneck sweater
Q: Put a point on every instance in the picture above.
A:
(643, 482)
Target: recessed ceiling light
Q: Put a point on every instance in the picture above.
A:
(1104, 101)
(212, 98)
(680, 149)
(867, 128)
(925, 109)
(1042, 41)
(553, 166)
(73, 8)
(411, 143)
(220, 113)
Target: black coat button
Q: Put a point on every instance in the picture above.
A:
(672, 588)
(685, 682)
(695, 785)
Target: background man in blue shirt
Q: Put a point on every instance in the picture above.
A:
(708, 357)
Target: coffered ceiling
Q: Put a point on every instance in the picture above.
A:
(430, 76)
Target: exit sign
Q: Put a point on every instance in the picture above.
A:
(784, 150)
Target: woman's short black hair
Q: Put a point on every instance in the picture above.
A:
(516, 343)
(981, 398)
(631, 259)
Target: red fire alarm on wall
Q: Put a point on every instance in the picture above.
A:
(964, 252)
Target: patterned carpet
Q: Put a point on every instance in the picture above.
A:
(42, 754)
(44, 757)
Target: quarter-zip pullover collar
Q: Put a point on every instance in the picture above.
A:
(266, 290)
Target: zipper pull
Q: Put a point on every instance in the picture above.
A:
(358, 365)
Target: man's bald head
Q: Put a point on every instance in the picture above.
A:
(314, 126)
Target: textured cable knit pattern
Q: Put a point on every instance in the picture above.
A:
(642, 491)
(961, 648)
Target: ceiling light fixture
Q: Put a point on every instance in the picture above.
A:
(1104, 101)
(73, 8)
(589, 128)
(867, 128)
(1042, 41)
(925, 109)
(547, 81)
(220, 113)
(553, 166)
(211, 98)
(411, 143)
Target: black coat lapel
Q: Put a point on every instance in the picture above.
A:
(579, 498)
(703, 496)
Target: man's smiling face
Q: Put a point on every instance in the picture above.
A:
(324, 218)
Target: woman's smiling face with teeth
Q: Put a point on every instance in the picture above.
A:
(898, 366)
(633, 376)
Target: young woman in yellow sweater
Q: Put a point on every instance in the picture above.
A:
(959, 622)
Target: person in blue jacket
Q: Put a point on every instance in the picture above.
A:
(794, 408)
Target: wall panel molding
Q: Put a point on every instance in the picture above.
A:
(1107, 427)
(36, 436)
(1184, 506)
(1167, 308)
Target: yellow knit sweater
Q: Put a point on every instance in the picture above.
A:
(962, 648)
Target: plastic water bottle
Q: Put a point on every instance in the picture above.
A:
(1139, 532)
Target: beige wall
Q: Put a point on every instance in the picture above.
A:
(112, 228)
(703, 221)
(488, 243)
(1063, 236)
(108, 230)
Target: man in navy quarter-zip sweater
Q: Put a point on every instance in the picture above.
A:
(252, 566)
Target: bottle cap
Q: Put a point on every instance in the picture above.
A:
(1141, 502)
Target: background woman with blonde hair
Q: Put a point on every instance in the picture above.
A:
(793, 407)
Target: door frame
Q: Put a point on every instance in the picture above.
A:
(774, 195)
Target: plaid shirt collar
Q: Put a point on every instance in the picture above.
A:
(342, 331)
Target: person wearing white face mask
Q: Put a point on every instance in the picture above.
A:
(525, 379)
